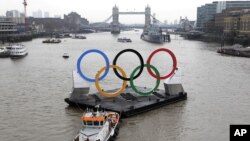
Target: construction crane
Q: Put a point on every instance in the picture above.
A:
(24, 4)
(25, 24)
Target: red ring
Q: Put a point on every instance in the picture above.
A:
(173, 58)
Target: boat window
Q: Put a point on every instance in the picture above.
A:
(96, 123)
(84, 122)
(89, 123)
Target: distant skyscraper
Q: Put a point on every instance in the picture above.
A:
(57, 16)
(46, 14)
(12, 14)
(175, 22)
(39, 14)
(166, 22)
(34, 14)
(15, 16)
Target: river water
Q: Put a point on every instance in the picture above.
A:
(32, 90)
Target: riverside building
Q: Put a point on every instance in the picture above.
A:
(207, 12)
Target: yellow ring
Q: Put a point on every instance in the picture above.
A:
(117, 93)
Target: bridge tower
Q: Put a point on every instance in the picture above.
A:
(115, 28)
(147, 16)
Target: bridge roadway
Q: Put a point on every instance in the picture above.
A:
(131, 13)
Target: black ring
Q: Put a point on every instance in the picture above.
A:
(141, 60)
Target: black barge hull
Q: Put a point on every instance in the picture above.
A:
(129, 103)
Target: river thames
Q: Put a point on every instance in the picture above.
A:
(32, 90)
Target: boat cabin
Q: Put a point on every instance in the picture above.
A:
(93, 120)
(97, 120)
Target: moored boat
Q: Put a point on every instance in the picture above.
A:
(4, 52)
(235, 50)
(194, 34)
(154, 34)
(79, 37)
(98, 126)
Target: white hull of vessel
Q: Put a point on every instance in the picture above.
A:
(100, 126)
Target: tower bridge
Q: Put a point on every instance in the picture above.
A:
(115, 25)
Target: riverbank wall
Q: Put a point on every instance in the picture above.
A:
(218, 38)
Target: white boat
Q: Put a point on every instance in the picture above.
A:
(4, 52)
(98, 126)
(124, 39)
(65, 55)
(17, 50)
(78, 37)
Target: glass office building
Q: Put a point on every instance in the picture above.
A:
(207, 12)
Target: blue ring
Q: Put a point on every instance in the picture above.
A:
(84, 54)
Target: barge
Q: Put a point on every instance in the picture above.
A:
(128, 103)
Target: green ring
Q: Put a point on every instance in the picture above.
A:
(132, 80)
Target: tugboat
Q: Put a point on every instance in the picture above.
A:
(4, 52)
(98, 126)
(52, 40)
(124, 40)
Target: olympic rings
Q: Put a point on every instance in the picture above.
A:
(117, 93)
(156, 73)
(174, 63)
(84, 54)
(141, 61)
(132, 81)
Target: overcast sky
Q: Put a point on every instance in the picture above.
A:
(99, 10)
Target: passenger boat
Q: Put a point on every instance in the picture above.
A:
(124, 40)
(98, 126)
(4, 52)
(65, 55)
(17, 51)
(52, 40)
(235, 50)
